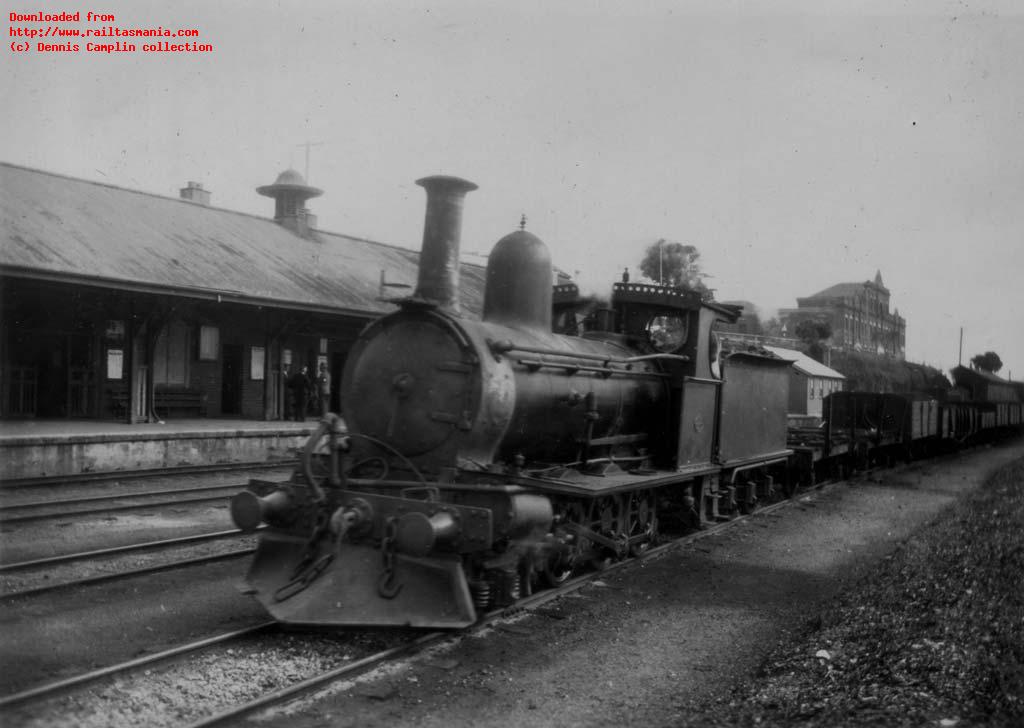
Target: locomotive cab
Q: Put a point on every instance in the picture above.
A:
(670, 321)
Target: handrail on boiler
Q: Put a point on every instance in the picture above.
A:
(505, 346)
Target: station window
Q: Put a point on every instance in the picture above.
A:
(170, 355)
(667, 333)
(209, 343)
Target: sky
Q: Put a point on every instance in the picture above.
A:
(797, 144)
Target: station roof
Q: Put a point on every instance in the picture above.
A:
(71, 230)
(805, 364)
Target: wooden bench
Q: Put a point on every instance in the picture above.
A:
(190, 401)
(167, 401)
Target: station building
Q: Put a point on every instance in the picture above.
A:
(134, 307)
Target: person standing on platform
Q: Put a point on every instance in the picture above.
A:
(299, 385)
(323, 389)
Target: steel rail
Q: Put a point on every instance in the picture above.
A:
(48, 689)
(4, 521)
(115, 550)
(141, 571)
(115, 497)
(92, 477)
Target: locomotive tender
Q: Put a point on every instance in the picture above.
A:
(481, 459)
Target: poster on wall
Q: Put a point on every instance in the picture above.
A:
(256, 362)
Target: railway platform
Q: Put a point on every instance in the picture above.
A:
(47, 448)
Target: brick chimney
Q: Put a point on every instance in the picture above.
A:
(290, 193)
(194, 192)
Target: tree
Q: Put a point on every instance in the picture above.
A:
(772, 327)
(675, 264)
(812, 333)
(751, 322)
(989, 362)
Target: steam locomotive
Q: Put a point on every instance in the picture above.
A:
(480, 460)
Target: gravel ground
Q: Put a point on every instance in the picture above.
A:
(180, 694)
(933, 636)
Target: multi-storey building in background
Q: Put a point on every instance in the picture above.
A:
(858, 314)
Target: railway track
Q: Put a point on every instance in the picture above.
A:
(31, 570)
(114, 550)
(72, 497)
(136, 676)
(28, 585)
(57, 509)
(147, 473)
(61, 687)
(112, 497)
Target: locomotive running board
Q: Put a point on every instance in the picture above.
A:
(432, 591)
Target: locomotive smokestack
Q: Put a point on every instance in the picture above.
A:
(439, 259)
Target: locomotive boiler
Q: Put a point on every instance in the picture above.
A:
(449, 392)
(481, 459)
